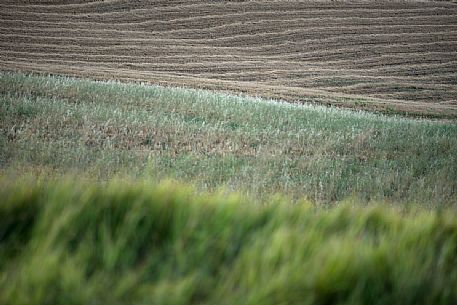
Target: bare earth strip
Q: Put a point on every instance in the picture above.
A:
(389, 56)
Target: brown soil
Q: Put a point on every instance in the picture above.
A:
(390, 56)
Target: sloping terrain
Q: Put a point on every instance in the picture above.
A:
(259, 147)
(386, 55)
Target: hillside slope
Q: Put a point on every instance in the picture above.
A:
(252, 145)
(380, 55)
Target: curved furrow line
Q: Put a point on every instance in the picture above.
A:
(387, 66)
(185, 25)
(289, 50)
(254, 40)
(109, 7)
(336, 79)
(247, 66)
(207, 18)
(271, 29)
(223, 10)
(342, 78)
(347, 63)
(387, 86)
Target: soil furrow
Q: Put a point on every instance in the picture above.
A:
(399, 55)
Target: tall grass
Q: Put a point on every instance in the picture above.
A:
(258, 147)
(73, 242)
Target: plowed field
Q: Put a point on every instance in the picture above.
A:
(396, 56)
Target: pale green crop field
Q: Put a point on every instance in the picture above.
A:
(52, 125)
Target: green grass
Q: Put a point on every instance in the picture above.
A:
(121, 242)
(254, 146)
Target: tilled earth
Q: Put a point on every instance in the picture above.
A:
(391, 56)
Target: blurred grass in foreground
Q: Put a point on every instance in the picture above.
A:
(121, 242)
(254, 146)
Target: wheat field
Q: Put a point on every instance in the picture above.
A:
(82, 242)
(389, 56)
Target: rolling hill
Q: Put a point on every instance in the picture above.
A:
(389, 56)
